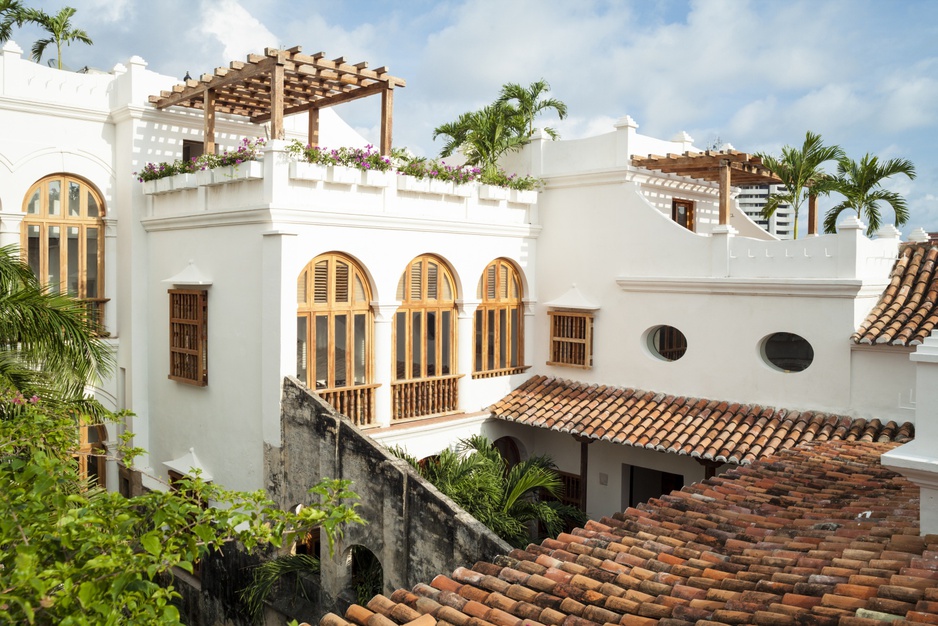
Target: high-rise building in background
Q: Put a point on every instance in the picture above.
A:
(751, 200)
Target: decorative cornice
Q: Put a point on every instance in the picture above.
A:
(805, 287)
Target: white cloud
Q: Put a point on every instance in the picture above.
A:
(238, 31)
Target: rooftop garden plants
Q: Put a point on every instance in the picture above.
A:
(247, 150)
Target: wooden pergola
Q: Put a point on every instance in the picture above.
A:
(283, 82)
(728, 167)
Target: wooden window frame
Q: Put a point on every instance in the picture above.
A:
(500, 291)
(689, 205)
(92, 454)
(44, 220)
(188, 349)
(309, 309)
(425, 305)
(564, 349)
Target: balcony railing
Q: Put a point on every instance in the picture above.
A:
(425, 396)
(357, 403)
(94, 309)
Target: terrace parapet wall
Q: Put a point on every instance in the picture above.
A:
(413, 529)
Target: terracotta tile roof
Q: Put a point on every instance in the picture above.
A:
(907, 311)
(728, 432)
(821, 535)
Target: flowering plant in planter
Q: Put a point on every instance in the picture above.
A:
(365, 159)
(248, 150)
(501, 178)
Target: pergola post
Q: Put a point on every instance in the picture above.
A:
(725, 181)
(387, 120)
(812, 214)
(313, 136)
(276, 101)
(208, 137)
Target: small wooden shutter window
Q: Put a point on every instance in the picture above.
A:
(188, 336)
(571, 339)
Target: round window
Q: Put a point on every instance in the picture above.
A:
(667, 343)
(787, 352)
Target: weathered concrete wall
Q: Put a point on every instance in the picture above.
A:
(415, 531)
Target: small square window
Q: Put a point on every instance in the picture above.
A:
(571, 339)
(188, 336)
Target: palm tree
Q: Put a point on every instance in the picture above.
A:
(800, 168)
(505, 499)
(861, 185)
(528, 103)
(483, 135)
(11, 12)
(48, 345)
(60, 31)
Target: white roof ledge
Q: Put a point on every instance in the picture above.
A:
(573, 299)
(188, 465)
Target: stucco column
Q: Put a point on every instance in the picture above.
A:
(849, 233)
(10, 222)
(720, 241)
(529, 334)
(918, 460)
(278, 328)
(465, 346)
(384, 359)
(110, 275)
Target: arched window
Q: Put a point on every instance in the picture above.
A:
(425, 340)
(63, 238)
(499, 334)
(333, 335)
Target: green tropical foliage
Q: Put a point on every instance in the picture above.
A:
(861, 185)
(475, 477)
(48, 346)
(529, 102)
(71, 553)
(800, 168)
(503, 126)
(60, 29)
(11, 13)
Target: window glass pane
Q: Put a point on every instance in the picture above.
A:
(92, 205)
(321, 373)
(55, 260)
(32, 249)
(515, 336)
(91, 264)
(416, 339)
(502, 338)
(431, 343)
(74, 199)
(490, 340)
(358, 340)
(446, 339)
(301, 288)
(479, 334)
(341, 328)
(301, 348)
(55, 197)
(400, 331)
(71, 267)
(32, 207)
(359, 289)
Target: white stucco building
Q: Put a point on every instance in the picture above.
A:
(413, 306)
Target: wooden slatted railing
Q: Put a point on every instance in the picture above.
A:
(357, 403)
(426, 396)
(95, 312)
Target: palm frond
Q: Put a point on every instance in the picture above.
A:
(268, 574)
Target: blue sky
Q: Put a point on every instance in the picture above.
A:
(863, 74)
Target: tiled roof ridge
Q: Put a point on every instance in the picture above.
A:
(907, 310)
(703, 428)
(819, 536)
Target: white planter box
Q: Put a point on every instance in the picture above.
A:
(528, 196)
(203, 177)
(410, 183)
(307, 171)
(343, 175)
(463, 191)
(185, 181)
(249, 170)
(164, 185)
(149, 187)
(491, 192)
(444, 187)
(374, 178)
